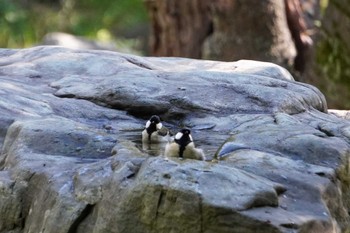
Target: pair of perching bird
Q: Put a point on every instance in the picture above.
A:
(181, 145)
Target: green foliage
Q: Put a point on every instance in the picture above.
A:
(12, 24)
(323, 6)
(24, 24)
(333, 57)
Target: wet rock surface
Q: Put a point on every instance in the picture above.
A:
(72, 161)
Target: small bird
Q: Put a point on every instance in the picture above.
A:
(154, 131)
(183, 147)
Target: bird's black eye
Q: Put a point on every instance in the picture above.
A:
(186, 131)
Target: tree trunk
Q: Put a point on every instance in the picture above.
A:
(179, 27)
(299, 31)
(250, 29)
(221, 30)
(277, 31)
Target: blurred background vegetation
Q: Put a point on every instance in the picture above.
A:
(24, 23)
(332, 58)
(126, 24)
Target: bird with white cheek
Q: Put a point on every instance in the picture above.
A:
(154, 131)
(183, 147)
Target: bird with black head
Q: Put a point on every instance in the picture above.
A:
(154, 131)
(183, 147)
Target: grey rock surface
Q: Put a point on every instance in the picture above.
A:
(72, 158)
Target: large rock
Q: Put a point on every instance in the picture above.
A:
(72, 161)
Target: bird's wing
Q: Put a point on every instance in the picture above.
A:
(163, 131)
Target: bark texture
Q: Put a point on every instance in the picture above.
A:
(248, 29)
(179, 27)
(221, 30)
(299, 31)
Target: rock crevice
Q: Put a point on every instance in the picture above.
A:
(72, 161)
